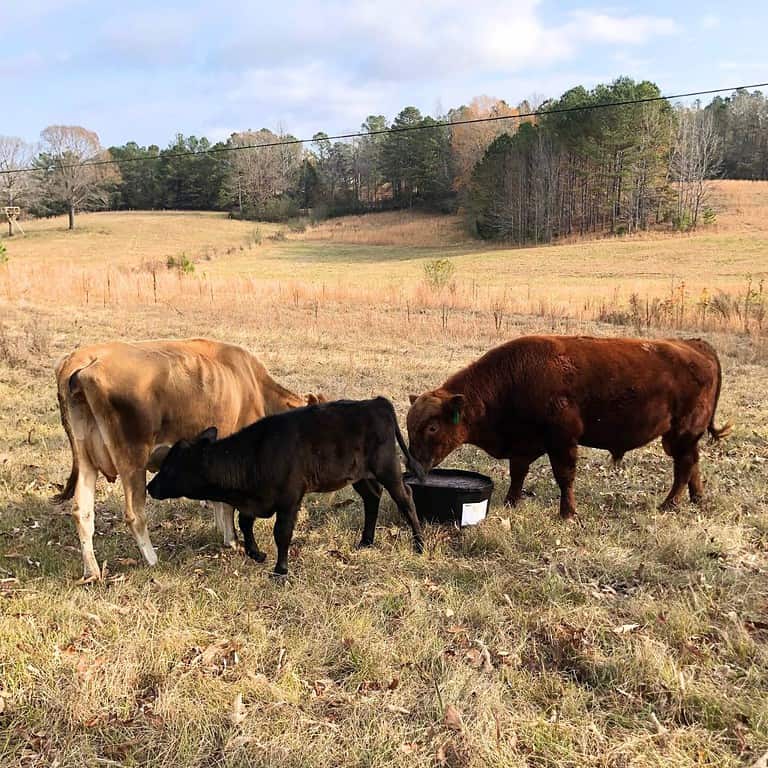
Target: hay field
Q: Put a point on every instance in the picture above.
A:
(633, 638)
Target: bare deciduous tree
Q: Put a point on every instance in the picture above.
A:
(696, 156)
(257, 175)
(71, 173)
(15, 183)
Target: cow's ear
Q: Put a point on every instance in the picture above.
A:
(454, 408)
(413, 398)
(157, 457)
(207, 435)
(312, 399)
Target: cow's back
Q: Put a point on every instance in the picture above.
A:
(615, 394)
(119, 399)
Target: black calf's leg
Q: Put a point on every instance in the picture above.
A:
(370, 491)
(251, 548)
(284, 525)
(392, 479)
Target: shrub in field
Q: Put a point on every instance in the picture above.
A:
(256, 236)
(3, 254)
(709, 217)
(297, 225)
(182, 263)
(278, 236)
(438, 273)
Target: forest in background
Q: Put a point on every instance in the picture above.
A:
(612, 170)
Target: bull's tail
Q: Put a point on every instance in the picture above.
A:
(62, 387)
(715, 433)
(410, 462)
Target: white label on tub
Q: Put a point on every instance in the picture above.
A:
(473, 513)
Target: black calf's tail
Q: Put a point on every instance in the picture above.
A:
(411, 463)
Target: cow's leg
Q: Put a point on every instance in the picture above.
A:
(245, 522)
(685, 455)
(518, 471)
(135, 488)
(563, 460)
(370, 491)
(83, 514)
(284, 524)
(224, 515)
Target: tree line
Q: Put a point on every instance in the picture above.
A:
(523, 179)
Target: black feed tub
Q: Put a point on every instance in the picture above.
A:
(452, 496)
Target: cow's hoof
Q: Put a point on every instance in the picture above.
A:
(418, 546)
(257, 555)
(669, 504)
(281, 577)
(365, 544)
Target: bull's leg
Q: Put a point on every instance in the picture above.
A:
(251, 547)
(135, 488)
(518, 471)
(695, 485)
(82, 512)
(563, 460)
(685, 456)
(224, 515)
(370, 491)
(284, 524)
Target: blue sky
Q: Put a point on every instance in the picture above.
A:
(147, 69)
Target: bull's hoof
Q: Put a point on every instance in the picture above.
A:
(418, 546)
(279, 575)
(668, 504)
(365, 544)
(568, 516)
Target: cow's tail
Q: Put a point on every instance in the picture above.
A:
(62, 392)
(411, 463)
(715, 433)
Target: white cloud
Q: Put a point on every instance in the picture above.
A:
(619, 30)
(710, 21)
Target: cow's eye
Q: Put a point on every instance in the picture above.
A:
(431, 429)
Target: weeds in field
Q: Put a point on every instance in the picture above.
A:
(182, 264)
(438, 274)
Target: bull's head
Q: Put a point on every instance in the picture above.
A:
(436, 426)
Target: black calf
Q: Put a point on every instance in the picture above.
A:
(266, 468)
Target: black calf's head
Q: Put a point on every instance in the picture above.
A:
(178, 468)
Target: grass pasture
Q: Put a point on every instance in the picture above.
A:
(632, 638)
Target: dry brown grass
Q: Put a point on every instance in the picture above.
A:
(740, 205)
(405, 228)
(635, 638)
(711, 280)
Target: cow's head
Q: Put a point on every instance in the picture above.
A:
(436, 426)
(177, 467)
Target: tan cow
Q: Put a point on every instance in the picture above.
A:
(119, 400)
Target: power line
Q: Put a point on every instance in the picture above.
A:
(404, 129)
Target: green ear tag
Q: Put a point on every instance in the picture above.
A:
(456, 417)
